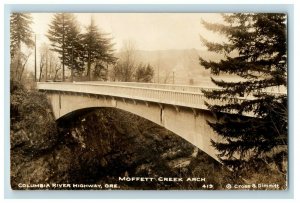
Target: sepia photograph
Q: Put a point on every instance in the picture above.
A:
(148, 101)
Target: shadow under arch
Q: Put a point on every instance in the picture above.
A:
(149, 151)
(183, 122)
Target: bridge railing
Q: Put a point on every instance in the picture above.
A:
(176, 87)
(187, 88)
(163, 96)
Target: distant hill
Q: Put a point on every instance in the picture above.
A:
(184, 63)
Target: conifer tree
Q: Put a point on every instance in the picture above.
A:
(64, 34)
(20, 34)
(254, 127)
(144, 73)
(98, 50)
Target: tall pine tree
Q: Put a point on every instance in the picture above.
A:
(64, 34)
(20, 34)
(98, 50)
(253, 129)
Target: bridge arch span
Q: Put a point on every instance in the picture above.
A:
(184, 122)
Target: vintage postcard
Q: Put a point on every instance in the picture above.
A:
(148, 101)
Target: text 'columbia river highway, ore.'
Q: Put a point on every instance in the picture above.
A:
(114, 186)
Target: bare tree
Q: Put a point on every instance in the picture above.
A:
(54, 66)
(18, 64)
(57, 70)
(44, 60)
(42, 64)
(50, 64)
(25, 59)
(126, 65)
(166, 76)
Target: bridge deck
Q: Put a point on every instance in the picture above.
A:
(177, 95)
(188, 88)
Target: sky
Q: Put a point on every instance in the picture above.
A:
(148, 31)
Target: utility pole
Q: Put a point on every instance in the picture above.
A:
(173, 77)
(35, 58)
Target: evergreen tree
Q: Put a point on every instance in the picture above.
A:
(98, 51)
(255, 128)
(20, 34)
(144, 73)
(64, 34)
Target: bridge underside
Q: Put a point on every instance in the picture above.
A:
(187, 123)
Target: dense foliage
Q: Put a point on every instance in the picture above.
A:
(255, 129)
(144, 73)
(122, 144)
(32, 122)
(32, 132)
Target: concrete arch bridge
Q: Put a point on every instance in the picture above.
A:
(178, 108)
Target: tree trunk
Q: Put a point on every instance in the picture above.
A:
(19, 62)
(41, 69)
(23, 67)
(46, 71)
(89, 67)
